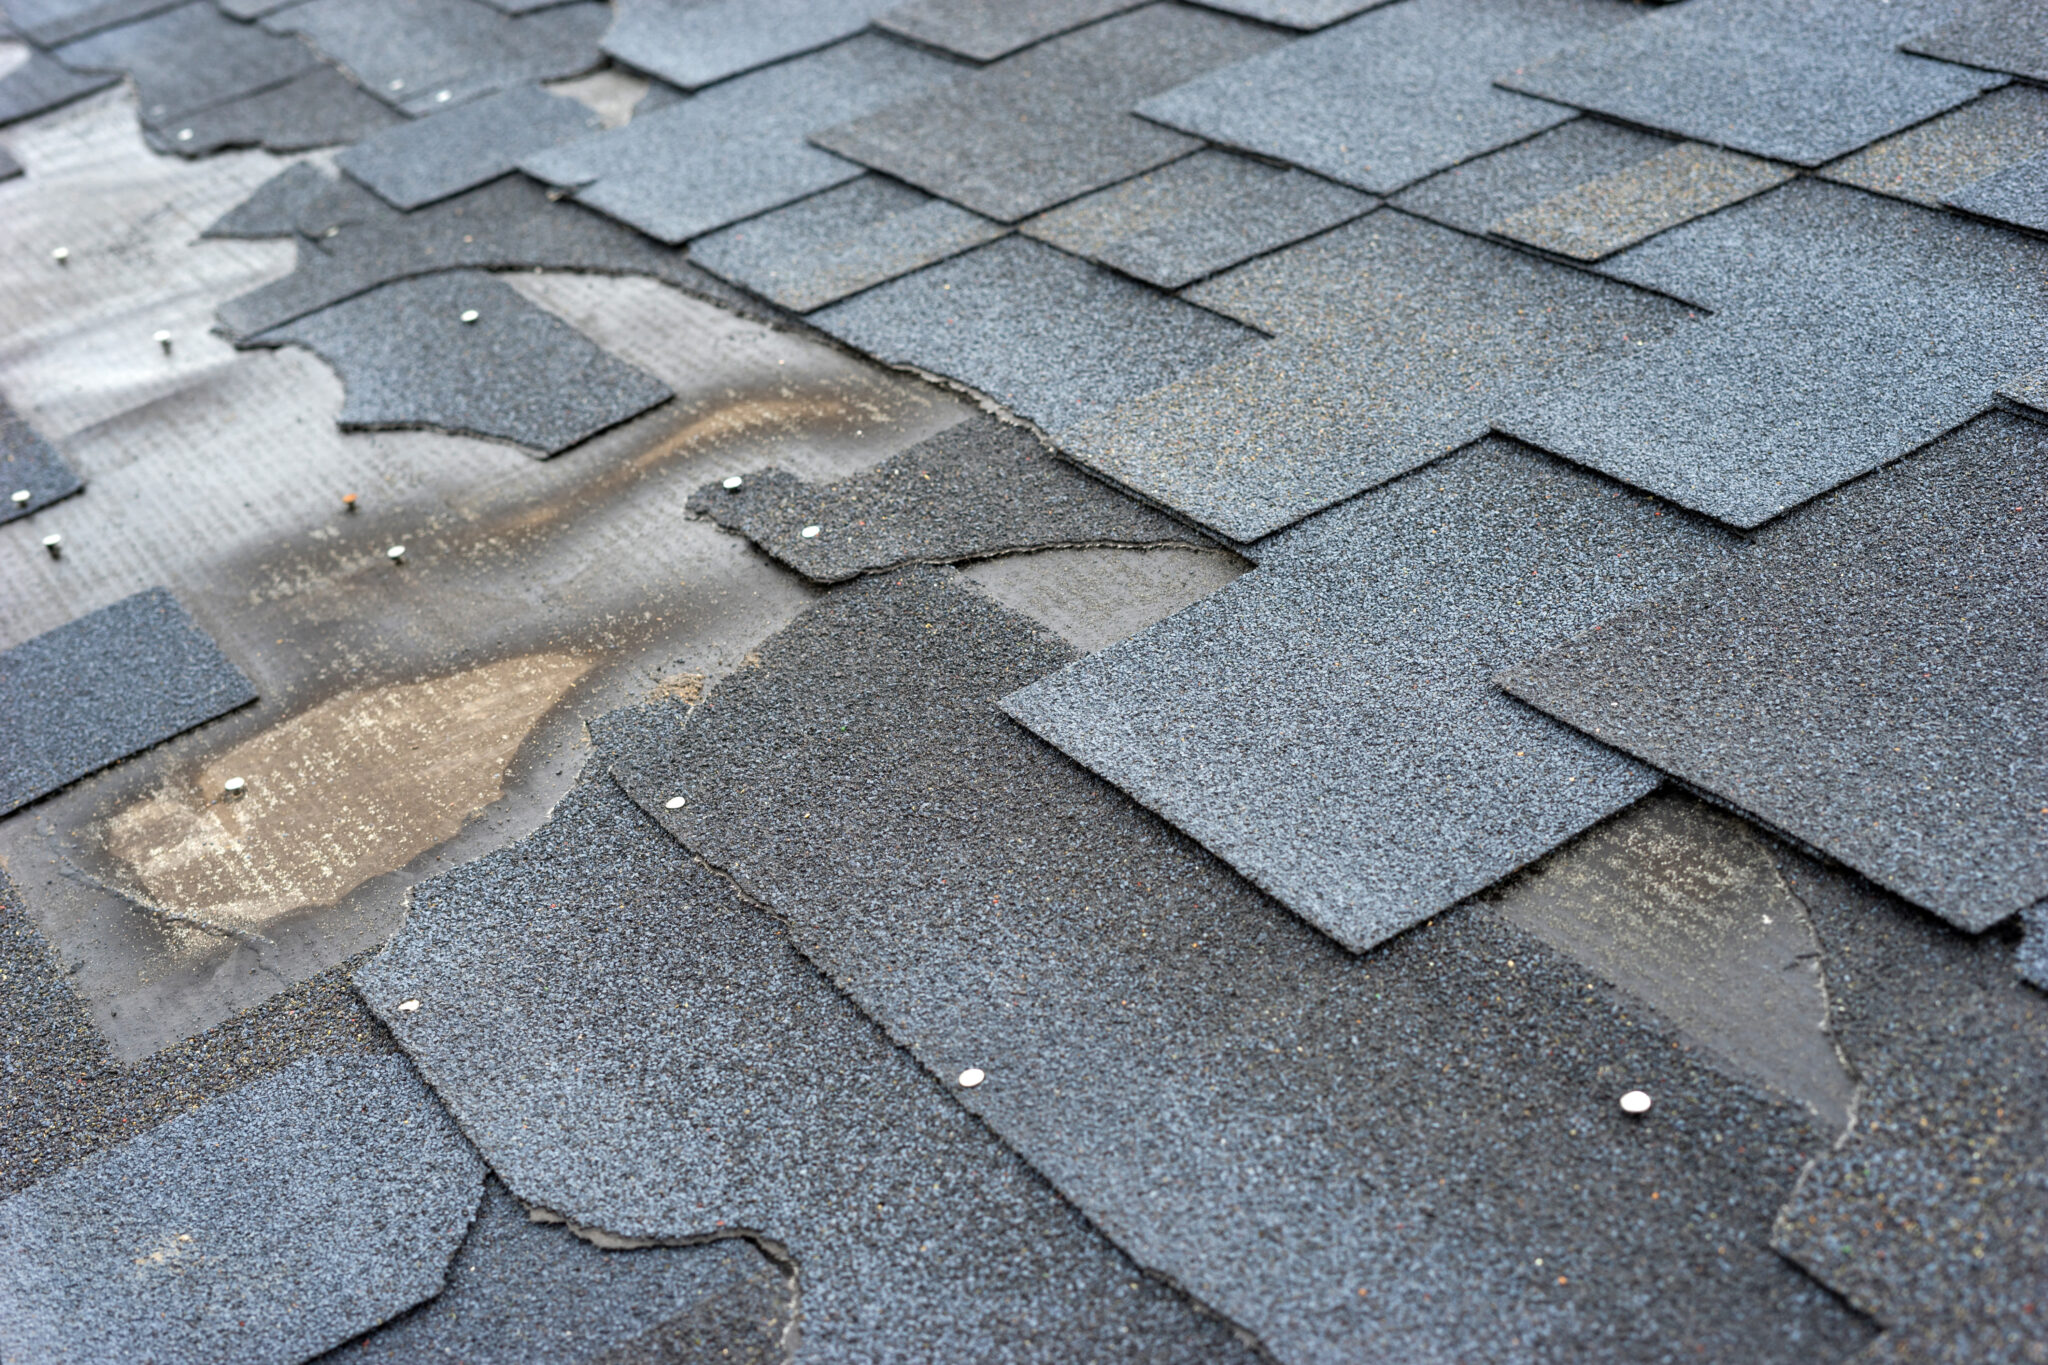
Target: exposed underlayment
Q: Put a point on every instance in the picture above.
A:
(1093, 599)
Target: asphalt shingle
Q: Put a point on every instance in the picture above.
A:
(190, 58)
(321, 108)
(274, 208)
(420, 162)
(982, 31)
(1600, 217)
(48, 23)
(1929, 162)
(28, 464)
(1304, 14)
(43, 83)
(1999, 35)
(693, 43)
(2032, 957)
(9, 167)
(1476, 194)
(2016, 196)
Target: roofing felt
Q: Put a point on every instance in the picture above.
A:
(1377, 777)
(1867, 679)
(1851, 329)
(1052, 122)
(1929, 162)
(267, 1225)
(462, 351)
(1196, 216)
(1242, 1105)
(2016, 196)
(1477, 194)
(1391, 96)
(821, 249)
(68, 700)
(423, 55)
(190, 58)
(633, 1048)
(739, 149)
(692, 43)
(1603, 216)
(977, 489)
(28, 464)
(42, 83)
(1396, 342)
(1932, 1216)
(1056, 339)
(46, 23)
(1803, 81)
(1999, 35)
(416, 163)
(318, 109)
(982, 32)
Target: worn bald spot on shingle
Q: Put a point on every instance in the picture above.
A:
(1603, 216)
(1052, 122)
(819, 250)
(2001, 35)
(691, 43)
(110, 684)
(48, 23)
(739, 149)
(1396, 341)
(268, 1225)
(1314, 1142)
(43, 83)
(29, 465)
(417, 163)
(983, 31)
(190, 58)
(1803, 81)
(321, 108)
(1391, 96)
(1866, 680)
(636, 1050)
(1196, 216)
(409, 357)
(1928, 163)
(2016, 196)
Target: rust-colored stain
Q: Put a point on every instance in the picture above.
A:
(355, 787)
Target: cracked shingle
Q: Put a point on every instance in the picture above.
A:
(190, 58)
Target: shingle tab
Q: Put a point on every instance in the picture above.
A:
(2016, 196)
(694, 43)
(190, 58)
(47, 23)
(28, 464)
(983, 30)
(417, 163)
(43, 83)
(1603, 216)
(1999, 35)
(1304, 14)
(321, 108)
(1929, 162)
(1475, 194)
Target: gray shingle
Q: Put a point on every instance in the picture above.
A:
(417, 163)
(1851, 329)
(1478, 193)
(1603, 216)
(1929, 162)
(1052, 122)
(43, 83)
(69, 704)
(48, 23)
(2000, 35)
(9, 167)
(693, 43)
(1391, 96)
(1056, 339)
(321, 108)
(1196, 216)
(517, 373)
(267, 1225)
(1803, 81)
(983, 30)
(2032, 957)
(28, 463)
(1867, 679)
(1305, 14)
(1356, 1158)
(274, 209)
(1396, 341)
(739, 149)
(819, 250)
(2029, 392)
(190, 58)
(2016, 196)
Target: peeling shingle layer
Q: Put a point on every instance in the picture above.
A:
(982, 32)
(692, 43)
(1929, 162)
(28, 464)
(321, 108)
(417, 163)
(1603, 216)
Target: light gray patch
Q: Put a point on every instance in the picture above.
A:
(693, 43)
(2016, 196)
(321, 108)
(190, 58)
(418, 163)
(1093, 599)
(1999, 35)
(28, 464)
(983, 32)
(1477, 193)
(1929, 162)
(42, 83)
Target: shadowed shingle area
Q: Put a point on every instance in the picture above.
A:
(417, 163)
(1196, 216)
(1356, 1158)
(267, 1225)
(2000, 35)
(47, 23)
(1391, 96)
(977, 489)
(43, 83)
(1052, 122)
(1395, 342)
(321, 108)
(819, 250)
(1851, 329)
(1327, 724)
(1932, 1217)
(1056, 339)
(1929, 162)
(739, 149)
(70, 703)
(692, 43)
(1803, 81)
(2016, 196)
(983, 30)
(9, 167)
(1603, 216)
(635, 1049)
(1478, 193)
(29, 464)
(190, 58)
(515, 373)
(2032, 956)
(1867, 679)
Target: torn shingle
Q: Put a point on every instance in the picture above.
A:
(1396, 341)
(424, 55)
(1052, 122)
(420, 162)
(635, 1049)
(269, 1224)
(977, 489)
(70, 703)
(1928, 163)
(274, 209)
(1375, 776)
(693, 43)
(47, 23)
(190, 58)
(29, 465)
(408, 358)
(1196, 216)
(1851, 329)
(1603, 216)
(1932, 1216)
(1391, 96)
(322, 108)
(821, 249)
(2016, 196)
(1803, 81)
(43, 83)
(739, 149)
(1866, 680)
(1356, 1158)
(1998, 35)
(1481, 192)
(983, 31)
(1056, 339)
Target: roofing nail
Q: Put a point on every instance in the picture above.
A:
(398, 85)
(396, 554)
(233, 788)
(55, 545)
(811, 532)
(348, 502)
(1635, 1102)
(184, 135)
(675, 803)
(61, 254)
(971, 1077)
(469, 315)
(442, 96)
(733, 484)
(163, 339)
(21, 497)
(408, 1006)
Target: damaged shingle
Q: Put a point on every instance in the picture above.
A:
(983, 31)
(1929, 162)
(1998, 35)
(43, 83)
(47, 23)
(190, 58)
(417, 163)
(268, 1225)
(692, 43)
(29, 465)
(1603, 216)
(274, 209)
(1867, 679)
(321, 108)
(977, 489)
(460, 351)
